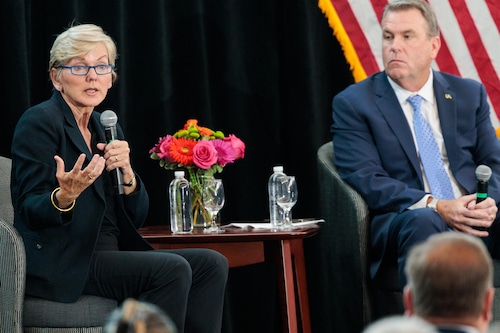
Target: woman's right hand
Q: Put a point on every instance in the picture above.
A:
(74, 182)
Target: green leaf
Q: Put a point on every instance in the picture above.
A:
(219, 134)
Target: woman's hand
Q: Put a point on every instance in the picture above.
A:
(117, 155)
(74, 182)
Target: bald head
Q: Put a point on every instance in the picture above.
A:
(449, 275)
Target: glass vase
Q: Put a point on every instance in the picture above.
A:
(201, 217)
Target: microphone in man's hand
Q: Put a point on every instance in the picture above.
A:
(483, 174)
(108, 121)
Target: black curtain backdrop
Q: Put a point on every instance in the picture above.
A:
(264, 70)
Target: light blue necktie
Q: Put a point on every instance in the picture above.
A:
(431, 158)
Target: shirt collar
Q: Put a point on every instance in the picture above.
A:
(427, 91)
(461, 328)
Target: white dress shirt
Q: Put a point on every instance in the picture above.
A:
(430, 113)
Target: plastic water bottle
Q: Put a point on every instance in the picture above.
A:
(275, 211)
(181, 214)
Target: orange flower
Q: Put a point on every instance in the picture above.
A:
(181, 151)
(191, 123)
(204, 131)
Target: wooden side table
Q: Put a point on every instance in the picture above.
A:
(246, 247)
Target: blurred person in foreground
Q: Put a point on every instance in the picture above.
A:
(138, 317)
(409, 140)
(400, 324)
(80, 235)
(450, 283)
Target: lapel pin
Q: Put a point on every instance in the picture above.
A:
(447, 96)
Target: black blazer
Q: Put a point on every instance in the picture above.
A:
(59, 246)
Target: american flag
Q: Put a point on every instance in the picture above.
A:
(470, 39)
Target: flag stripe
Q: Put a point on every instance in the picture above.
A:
(355, 32)
(445, 60)
(351, 56)
(369, 23)
(480, 57)
(494, 10)
(378, 6)
(487, 28)
(449, 27)
(486, 15)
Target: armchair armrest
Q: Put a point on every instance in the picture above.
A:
(12, 278)
(343, 244)
(339, 201)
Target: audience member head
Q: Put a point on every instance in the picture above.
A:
(450, 281)
(139, 317)
(400, 324)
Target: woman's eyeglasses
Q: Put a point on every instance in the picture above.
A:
(84, 70)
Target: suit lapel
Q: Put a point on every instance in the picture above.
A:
(72, 130)
(388, 105)
(447, 110)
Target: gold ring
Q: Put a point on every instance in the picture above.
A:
(91, 177)
(116, 158)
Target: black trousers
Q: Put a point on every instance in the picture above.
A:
(187, 284)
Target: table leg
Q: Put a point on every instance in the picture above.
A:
(289, 286)
(297, 250)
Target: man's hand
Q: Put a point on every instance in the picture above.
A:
(463, 214)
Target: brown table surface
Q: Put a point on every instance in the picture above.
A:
(158, 233)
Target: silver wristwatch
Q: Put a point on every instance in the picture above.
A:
(433, 204)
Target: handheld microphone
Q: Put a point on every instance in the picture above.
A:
(483, 174)
(108, 121)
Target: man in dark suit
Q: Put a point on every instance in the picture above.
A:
(450, 283)
(378, 153)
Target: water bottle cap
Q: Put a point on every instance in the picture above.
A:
(278, 168)
(179, 174)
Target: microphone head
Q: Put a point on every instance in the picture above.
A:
(483, 173)
(108, 118)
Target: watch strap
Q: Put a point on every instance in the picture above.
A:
(131, 183)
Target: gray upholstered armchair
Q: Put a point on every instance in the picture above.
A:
(28, 314)
(349, 299)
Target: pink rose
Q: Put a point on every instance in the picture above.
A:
(163, 148)
(204, 154)
(225, 152)
(156, 148)
(238, 146)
